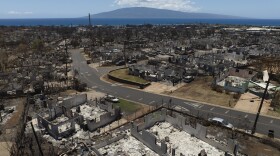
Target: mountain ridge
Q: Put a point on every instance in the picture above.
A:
(144, 12)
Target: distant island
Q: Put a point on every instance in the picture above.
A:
(144, 12)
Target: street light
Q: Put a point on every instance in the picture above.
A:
(266, 78)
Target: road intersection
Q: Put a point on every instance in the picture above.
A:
(240, 119)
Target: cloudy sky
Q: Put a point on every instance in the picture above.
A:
(77, 8)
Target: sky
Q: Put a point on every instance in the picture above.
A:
(266, 9)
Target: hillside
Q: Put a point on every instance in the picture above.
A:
(142, 12)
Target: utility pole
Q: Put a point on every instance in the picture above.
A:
(39, 146)
(66, 59)
(124, 51)
(259, 111)
(89, 20)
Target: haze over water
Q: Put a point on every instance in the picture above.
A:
(115, 22)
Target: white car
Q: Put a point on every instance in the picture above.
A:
(111, 98)
(220, 122)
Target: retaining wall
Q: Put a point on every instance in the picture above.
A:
(142, 85)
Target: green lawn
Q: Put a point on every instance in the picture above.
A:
(128, 107)
(123, 74)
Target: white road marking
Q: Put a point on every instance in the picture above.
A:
(192, 104)
(200, 106)
(246, 116)
(140, 99)
(212, 108)
(271, 121)
(226, 111)
(116, 84)
(152, 102)
(127, 96)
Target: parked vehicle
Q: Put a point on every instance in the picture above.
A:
(188, 79)
(220, 122)
(112, 98)
(132, 61)
(120, 63)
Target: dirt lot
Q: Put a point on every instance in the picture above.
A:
(10, 124)
(274, 113)
(4, 148)
(200, 90)
(250, 103)
(159, 87)
(14, 120)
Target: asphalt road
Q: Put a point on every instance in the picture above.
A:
(239, 119)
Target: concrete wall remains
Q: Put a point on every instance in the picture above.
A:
(65, 105)
(113, 113)
(60, 130)
(185, 123)
(66, 128)
(149, 140)
(104, 120)
(199, 131)
(74, 101)
(110, 141)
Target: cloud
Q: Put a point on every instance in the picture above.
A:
(179, 5)
(19, 13)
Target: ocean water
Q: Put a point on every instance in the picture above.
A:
(115, 22)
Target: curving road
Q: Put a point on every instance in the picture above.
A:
(239, 119)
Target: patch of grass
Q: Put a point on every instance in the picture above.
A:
(200, 90)
(128, 107)
(123, 74)
(275, 113)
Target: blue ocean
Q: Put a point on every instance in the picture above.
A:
(116, 22)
